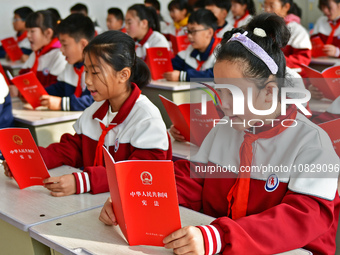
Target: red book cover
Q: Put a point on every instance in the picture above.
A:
(23, 157)
(317, 46)
(144, 199)
(158, 61)
(179, 43)
(328, 81)
(187, 118)
(30, 88)
(332, 129)
(12, 48)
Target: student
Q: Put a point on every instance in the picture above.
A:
(46, 60)
(199, 4)
(220, 9)
(332, 113)
(179, 13)
(82, 8)
(122, 119)
(299, 48)
(243, 11)
(6, 116)
(19, 19)
(56, 13)
(155, 4)
(142, 25)
(70, 92)
(198, 59)
(115, 20)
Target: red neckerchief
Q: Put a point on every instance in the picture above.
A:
(220, 28)
(123, 29)
(44, 50)
(334, 27)
(118, 119)
(201, 62)
(239, 192)
(145, 38)
(22, 36)
(79, 72)
(242, 18)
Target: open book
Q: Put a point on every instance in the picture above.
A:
(158, 61)
(332, 129)
(328, 81)
(179, 43)
(317, 46)
(23, 157)
(12, 48)
(144, 199)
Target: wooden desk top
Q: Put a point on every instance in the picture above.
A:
(319, 105)
(14, 65)
(169, 85)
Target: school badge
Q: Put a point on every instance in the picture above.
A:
(272, 183)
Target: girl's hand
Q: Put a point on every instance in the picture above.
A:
(24, 58)
(107, 215)
(315, 92)
(62, 185)
(52, 102)
(172, 76)
(331, 51)
(187, 240)
(8, 172)
(176, 134)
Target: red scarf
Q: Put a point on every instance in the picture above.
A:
(242, 18)
(44, 50)
(239, 192)
(79, 89)
(145, 38)
(201, 62)
(118, 119)
(334, 27)
(22, 36)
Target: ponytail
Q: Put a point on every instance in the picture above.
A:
(140, 74)
(147, 13)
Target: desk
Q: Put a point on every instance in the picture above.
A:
(323, 62)
(319, 105)
(46, 126)
(22, 209)
(183, 150)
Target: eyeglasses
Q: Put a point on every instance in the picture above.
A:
(17, 19)
(193, 32)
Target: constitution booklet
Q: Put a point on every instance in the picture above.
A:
(158, 61)
(12, 48)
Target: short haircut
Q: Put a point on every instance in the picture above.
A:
(180, 5)
(77, 26)
(203, 17)
(154, 3)
(43, 19)
(250, 5)
(116, 12)
(222, 4)
(79, 8)
(325, 3)
(23, 12)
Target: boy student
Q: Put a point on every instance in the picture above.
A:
(220, 8)
(197, 60)
(115, 20)
(70, 92)
(82, 8)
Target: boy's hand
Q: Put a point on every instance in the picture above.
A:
(315, 92)
(8, 172)
(107, 215)
(331, 51)
(23, 58)
(61, 185)
(172, 76)
(52, 102)
(176, 134)
(187, 240)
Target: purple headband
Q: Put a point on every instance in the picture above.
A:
(255, 49)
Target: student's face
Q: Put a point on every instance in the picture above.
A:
(178, 15)
(220, 14)
(237, 9)
(199, 36)
(72, 50)
(135, 27)
(38, 38)
(333, 12)
(112, 23)
(18, 23)
(275, 6)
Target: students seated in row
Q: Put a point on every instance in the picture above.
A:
(6, 116)
(243, 11)
(70, 92)
(157, 6)
(46, 60)
(220, 8)
(299, 48)
(332, 113)
(179, 13)
(115, 20)
(198, 59)
(82, 8)
(142, 25)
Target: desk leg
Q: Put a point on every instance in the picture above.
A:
(14, 241)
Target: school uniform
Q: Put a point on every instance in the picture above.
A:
(23, 44)
(151, 39)
(176, 28)
(284, 210)
(328, 31)
(195, 64)
(242, 21)
(298, 50)
(221, 30)
(140, 134)
(72, 89)
(6, 116)
(332, 113)
(47, 63)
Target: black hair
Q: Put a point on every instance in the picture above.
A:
(203, 17)
(147, 13)
(180, 5)
(325, 3)
(77, 26)
(117, 49)
(116, 12)
(55, 13)
(79, 8)
(23, 12)
(43, 19)
(199, 4)
(294, 8)
(250, 5)
(154, 3)
(277, 36)
(222, 4)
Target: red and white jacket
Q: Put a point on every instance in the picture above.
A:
(302, 210)
(299, 47)
(332, 112)
(221, 30)
(141, 136)
(242, 21)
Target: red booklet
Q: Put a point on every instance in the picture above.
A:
(158, 61)
(12, 48)
(144, 199)
(179, 43)
(23, 157)
(30, 88)
(332, 129)
(317, 46)
(328, 81)
(187, 118)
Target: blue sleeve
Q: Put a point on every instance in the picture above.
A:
(6, 116)
(57, 89)
(2, 52)
(193, 73)
(73, 103)
(178, 63)
(26, 51)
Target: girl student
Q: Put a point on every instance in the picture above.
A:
(122, 119)
(258, 212)
(243, 11)
(142, 25)
(179, 13)
(299, 48)
(46, 60)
